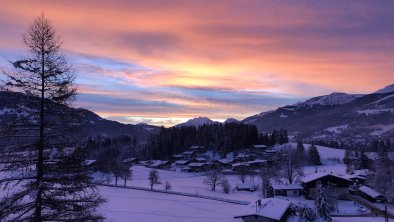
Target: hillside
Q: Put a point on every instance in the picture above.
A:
(13, 105)
(335, 116)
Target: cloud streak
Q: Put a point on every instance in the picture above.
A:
(162, 63)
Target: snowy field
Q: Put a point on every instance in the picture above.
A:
(134, 205)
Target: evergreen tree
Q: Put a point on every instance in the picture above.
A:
(313, 155)
(322, 204)
(44, 157)
(300, 151)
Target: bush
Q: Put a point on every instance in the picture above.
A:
(225, 186)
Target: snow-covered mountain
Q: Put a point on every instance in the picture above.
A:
(330, 100)
(387, 89)
(13, 105)
(231, 120)
(199, 121)
(336, 116)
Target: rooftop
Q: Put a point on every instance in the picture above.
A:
(271, 208)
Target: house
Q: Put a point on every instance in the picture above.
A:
(222, 163)
(189, 154)
(130, 161)
(159, 164)
(266, 210)
(251, 187)
(372, 195)
(338, 183)
(182, 162)
(197, 149)
(243, 166)
(288, 189)
(177, 157)
(198, 167)
(199, 160)
(257, 163)
(259, 147)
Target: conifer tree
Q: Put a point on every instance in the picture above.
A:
(42, 156)
(322, 202)
(314, 156)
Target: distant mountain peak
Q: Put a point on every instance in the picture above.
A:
(387, 89)
(231, 120)
(198, 121)
(336, 98)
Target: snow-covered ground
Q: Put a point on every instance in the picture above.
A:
(134, 205)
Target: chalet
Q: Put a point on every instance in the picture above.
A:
(197, 149)
(244, 157)
(89, 163)
(244, 166)
(159, 164)
(259, 147)
(266, 210)
(223, 163)
(340, 184)
(198, 167)
(182, 162)
(372, 195)
(130, 161)
(177, 157)
(199, 160)
(257, 163)
(251, 187)
(189, 154)
(288, 189)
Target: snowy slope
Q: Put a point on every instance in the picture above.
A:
(330, 100)
(199, 121)
(231, 120)
(387, 89)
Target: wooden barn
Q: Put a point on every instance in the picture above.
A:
(372, 195)
(338, 183)
(266, 210)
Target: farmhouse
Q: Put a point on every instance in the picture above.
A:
(182, 162)
(159, 164)
(372, 195)
(131, 160)
(340, 184)
(266, 210)
(288, 189)
(198, 167)
(246, 187)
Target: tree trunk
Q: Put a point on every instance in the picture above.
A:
(40, 162)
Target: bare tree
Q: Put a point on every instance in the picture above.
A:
(292, 167)
(213, 178)
(225, 185)
(153, 178)
(42, 153)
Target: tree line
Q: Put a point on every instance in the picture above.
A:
(221, 138)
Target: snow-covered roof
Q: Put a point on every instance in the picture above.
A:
(318, 175)
(287, 187)
(271, 208)
(225, 161)
(240, 164)
(156, 163)
(259, 146)
(127, 160)
(181, 162)
(371, 192)
(197, 164)
(257, 161)
(177, 155)
(88, 162)
(200, 159)
(188, 152)
(195, 147)
(245, 185)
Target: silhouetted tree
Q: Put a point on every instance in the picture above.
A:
(44, 156)
(313, 155)
(213, 178)
(153, 178)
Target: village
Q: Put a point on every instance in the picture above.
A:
(187, 173)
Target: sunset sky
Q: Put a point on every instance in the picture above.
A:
(163, 62)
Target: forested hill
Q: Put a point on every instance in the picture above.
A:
(218, 137)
